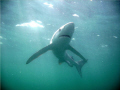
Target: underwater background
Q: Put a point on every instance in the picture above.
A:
(28, 25)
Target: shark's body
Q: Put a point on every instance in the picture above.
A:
(59, 44)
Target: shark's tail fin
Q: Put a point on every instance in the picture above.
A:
(79, 66)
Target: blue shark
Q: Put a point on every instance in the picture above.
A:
(59, 43)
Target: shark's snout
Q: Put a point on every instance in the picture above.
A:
(70, 24)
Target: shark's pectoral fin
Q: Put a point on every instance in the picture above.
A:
(40, 52)
(76, 52)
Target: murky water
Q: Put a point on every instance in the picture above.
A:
(27, 26)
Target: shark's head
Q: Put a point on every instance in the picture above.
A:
(63, 33)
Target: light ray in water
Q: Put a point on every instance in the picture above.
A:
(32, 24)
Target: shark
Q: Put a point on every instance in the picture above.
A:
(59, 44)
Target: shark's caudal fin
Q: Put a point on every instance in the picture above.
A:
(79, 66)
(40, 52)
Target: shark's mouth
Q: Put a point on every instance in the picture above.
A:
(65, 36)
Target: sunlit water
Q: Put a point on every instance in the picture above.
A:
(27, 26)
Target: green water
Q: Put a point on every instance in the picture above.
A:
(27, 26)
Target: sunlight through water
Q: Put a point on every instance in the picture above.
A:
(32, 24)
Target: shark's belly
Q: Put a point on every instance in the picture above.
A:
(59, 53)
(59, 48)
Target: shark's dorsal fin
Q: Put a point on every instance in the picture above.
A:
(76, 52)
(40, 52)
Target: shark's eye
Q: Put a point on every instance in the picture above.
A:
(59, 30)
